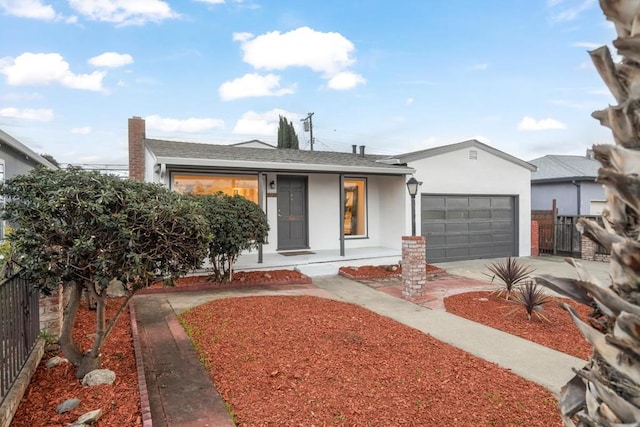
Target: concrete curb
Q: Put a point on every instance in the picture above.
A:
(145, 407)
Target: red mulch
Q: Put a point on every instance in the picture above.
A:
(305, 360)
(492, 310)
(312, 361)
(119, 402)
(240, 279)
(380, 271)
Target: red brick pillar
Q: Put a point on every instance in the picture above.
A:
(588, 248)
(136, 148)
(51, 313)
(535, 238)
(414, 264)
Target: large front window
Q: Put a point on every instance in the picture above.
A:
(355, 212)
(241, 185)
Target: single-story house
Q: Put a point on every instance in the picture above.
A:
(17, 159)
(570, 181)
(474, 201)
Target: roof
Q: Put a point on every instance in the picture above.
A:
(565, 168)
(256, 143)
(174, 153)
(7, 139)
(471, 143)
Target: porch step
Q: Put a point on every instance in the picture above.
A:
(319, 269)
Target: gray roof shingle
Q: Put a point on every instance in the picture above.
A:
(184, 152)
(555, 167)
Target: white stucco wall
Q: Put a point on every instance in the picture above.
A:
(455, 173)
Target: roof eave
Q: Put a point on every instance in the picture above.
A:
(277, 166)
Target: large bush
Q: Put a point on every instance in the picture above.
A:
(81, 230)
(237, 225)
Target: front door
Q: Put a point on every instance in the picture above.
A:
(292, 212)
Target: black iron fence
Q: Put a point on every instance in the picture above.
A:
(19, 327)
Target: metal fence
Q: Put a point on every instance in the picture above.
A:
(19, 327)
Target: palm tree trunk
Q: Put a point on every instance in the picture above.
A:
(606, 391)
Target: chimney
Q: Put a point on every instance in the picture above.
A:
(590, 153)
(136, 148)
(362, 151)
(354, 147)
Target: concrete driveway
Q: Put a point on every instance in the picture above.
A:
(553, 265)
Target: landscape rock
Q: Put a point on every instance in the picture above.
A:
(55, 361)
(116, 289)
(89, 417)
(67, 406)
(98, 377)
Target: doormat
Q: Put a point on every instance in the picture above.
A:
(297, 253)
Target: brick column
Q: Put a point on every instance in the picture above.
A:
(535, 238)
(136, 148)
(587, 248)
(51, 313)
(414, 263)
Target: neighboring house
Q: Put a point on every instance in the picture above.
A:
(474, 204)
(474, 201)
(570, 181)
(17, 159)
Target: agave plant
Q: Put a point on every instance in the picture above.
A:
(606, 392)
(532, 298)
(511, 272)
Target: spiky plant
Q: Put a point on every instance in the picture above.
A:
(606, 392)
(511, 272)
(532, 298)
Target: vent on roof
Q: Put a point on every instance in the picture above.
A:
(473, 155)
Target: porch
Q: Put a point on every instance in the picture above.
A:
(319, 262)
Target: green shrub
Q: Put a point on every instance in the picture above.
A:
(237, 225)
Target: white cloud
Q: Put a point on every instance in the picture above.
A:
(530, 124)
(192, 124)
(40, 115)
(33, 9)
(124, 12)
(111, 60)
(241, 37)
(40, 69)
(85, 130)
(409, 101)
(328, 53)
(211, 1)
(15, 96)
(571, 12)
(253, 85)
(264, 124)
(345, 80)
(587, 45)
(479, 67)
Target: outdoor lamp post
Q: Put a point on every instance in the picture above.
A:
(412, 187)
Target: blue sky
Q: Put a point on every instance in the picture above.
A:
(393, 76)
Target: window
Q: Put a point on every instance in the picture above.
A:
(355, 212)
(242, 185)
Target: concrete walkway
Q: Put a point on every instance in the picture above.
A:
(181, 394)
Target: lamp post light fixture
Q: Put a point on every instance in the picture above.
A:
(412, 187)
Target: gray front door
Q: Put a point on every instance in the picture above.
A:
(459, 227)
(292, 212)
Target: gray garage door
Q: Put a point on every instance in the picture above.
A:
(459, 227)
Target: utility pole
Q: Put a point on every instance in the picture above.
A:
(308, 127)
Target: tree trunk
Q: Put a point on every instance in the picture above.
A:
(69, 348)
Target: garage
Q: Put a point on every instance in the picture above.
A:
(460, 227)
